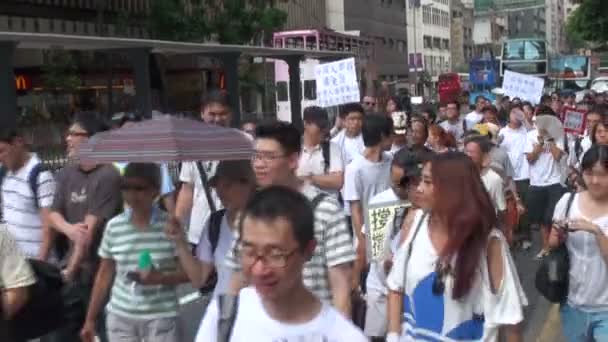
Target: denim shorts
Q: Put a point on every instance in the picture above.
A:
(581, 326)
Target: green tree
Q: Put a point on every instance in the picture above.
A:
(59, 72)
(589, 22)
(227, 21)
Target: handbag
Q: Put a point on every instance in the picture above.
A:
(553, 275)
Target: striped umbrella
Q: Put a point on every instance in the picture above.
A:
(165, 139)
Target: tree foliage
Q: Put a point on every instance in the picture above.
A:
(227, 21)
(60, 72)
(589, 22)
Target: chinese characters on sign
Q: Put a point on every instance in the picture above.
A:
(527, 88)
(337, 83)
(379, 223)
(574, 120)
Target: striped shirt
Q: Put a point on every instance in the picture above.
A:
(21, 213)
(123, 243)
(334, 245)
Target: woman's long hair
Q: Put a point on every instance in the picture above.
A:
(462, 202)
(446, 139)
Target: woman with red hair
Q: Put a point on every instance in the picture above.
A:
(440, 141)
(453, 278)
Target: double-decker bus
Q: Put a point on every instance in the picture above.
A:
(525, 56)
(327, 40)
(572, 72)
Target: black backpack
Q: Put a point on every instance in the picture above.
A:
(51, 304)
(32, 180)
(213, 233)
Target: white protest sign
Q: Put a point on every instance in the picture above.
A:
(526, 87)
(379, 222)
(337, 83)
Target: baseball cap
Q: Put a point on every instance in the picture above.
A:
(233, 170)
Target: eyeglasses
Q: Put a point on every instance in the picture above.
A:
(74, 134)
(273, 259)
(441, 270)
(266, 156)
(133, 187)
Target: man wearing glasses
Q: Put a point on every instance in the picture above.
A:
(328, 272)
(369, 104)
(87, 196)
(278, 241)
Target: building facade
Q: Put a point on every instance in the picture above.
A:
(382, 20)
(462, 35)
(528, 23)
(556, 28)
(429, 34)
(304, 14)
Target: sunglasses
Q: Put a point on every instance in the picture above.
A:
(441, 270)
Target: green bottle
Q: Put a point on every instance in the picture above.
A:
(145, 261)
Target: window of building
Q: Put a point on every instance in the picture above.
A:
(446, 44)
(310, 89)
(437, 43)
(426, 15)
(427, 42)
(401, 46)
(391, 43)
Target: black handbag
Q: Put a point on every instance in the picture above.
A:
(553, 275)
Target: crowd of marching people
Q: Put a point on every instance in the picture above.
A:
(280, 245)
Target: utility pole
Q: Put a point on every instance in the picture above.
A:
(416, 7)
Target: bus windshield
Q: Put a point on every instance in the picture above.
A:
(569, 67)
(527, 50)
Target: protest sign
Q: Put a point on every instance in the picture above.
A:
(379, 221)
(574, 120)
(337, 83)
(526, 87)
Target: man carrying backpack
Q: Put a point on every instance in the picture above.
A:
(320, 161)
(27, 191)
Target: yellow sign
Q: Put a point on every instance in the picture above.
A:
(22, 82)
(380, 223)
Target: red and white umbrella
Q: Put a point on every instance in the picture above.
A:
(165, 139)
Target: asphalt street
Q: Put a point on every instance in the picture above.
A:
(540, 325)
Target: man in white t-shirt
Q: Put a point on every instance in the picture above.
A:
(544, 155)
(25, 212)
(478, 148)
(277, 239)
(513, 138)
(475, 117)
(350, 140)
(320, 161)
(454, 124)
(192, 205)
(367, 176)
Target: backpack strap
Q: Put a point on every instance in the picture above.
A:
(32, 180)
(215, 226)
(569, 204)
(325, 149)
(206, 187)
(410, 247)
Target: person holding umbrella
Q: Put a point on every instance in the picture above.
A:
(196, 201)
